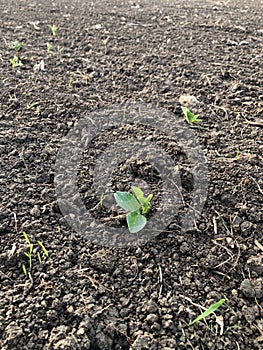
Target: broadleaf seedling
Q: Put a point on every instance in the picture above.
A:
(137, 206)
(189, 116)
(208, 311)
(16, 46)
(15, 62)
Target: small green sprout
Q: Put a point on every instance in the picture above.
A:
(238, 153)
(29, 254)
(53, 29)
(16, 46)
(32, 105)
(43, 248)
(15, 62)
(189, 116)
(137, 207)
(59, 49)
(102, 197)
(208, 311)
(49, 47)
(70, 81)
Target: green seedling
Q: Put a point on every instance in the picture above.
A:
(49, 47)
(32, 105)
(238, 154)
(208, 311)
(15, 62)
(102, 197)
(53, 29)
(29, 254)
(137, 207)
(16, 46)
(43, 248)
(189, 116)
(70, 81)
(59, 49)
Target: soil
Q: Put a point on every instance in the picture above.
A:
(88, 295)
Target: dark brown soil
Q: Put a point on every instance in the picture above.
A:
(88, 295)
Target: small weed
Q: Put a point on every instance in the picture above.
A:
(15, 62)
(189, 116)
(16, 46)
(59, 49)
(70, 82)
(32, 105)
(137, 207)
(208, 311)
(53, 29)
(49, 47)
(30, 252)
(102, 197)
(238, 154)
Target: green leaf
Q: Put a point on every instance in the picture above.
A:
(24, 269)
(207, 312)
(127, 201)
(145, 202)
(43, 248)
(147, 205)
(139, 194)
(31, 246)
(136, 221)
(26, 238)
(39, 258)
(190, 117)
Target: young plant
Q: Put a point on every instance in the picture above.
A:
(44, 251)
(59, 49)
(189, 116)
(238, 154)
(16, 46)
(15, 62)
(53, 29)
(208, 311)
(49, 47)
(137, 207)
(29, 254)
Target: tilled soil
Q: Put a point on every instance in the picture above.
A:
(92, 296)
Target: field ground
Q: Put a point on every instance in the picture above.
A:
(90, 296)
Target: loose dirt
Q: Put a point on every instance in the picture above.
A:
(89, 296)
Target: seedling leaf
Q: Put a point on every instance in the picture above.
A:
(139, 194)
(147, 205)
(207, 312)
(15, 62)
(16, 46)
(26, 238)
(189, 116)
(39, 258)
(24, 269)
(127, 201)
(101, 200)
(53, 29)
(136, 221)
(43, 248)
(144, 202)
